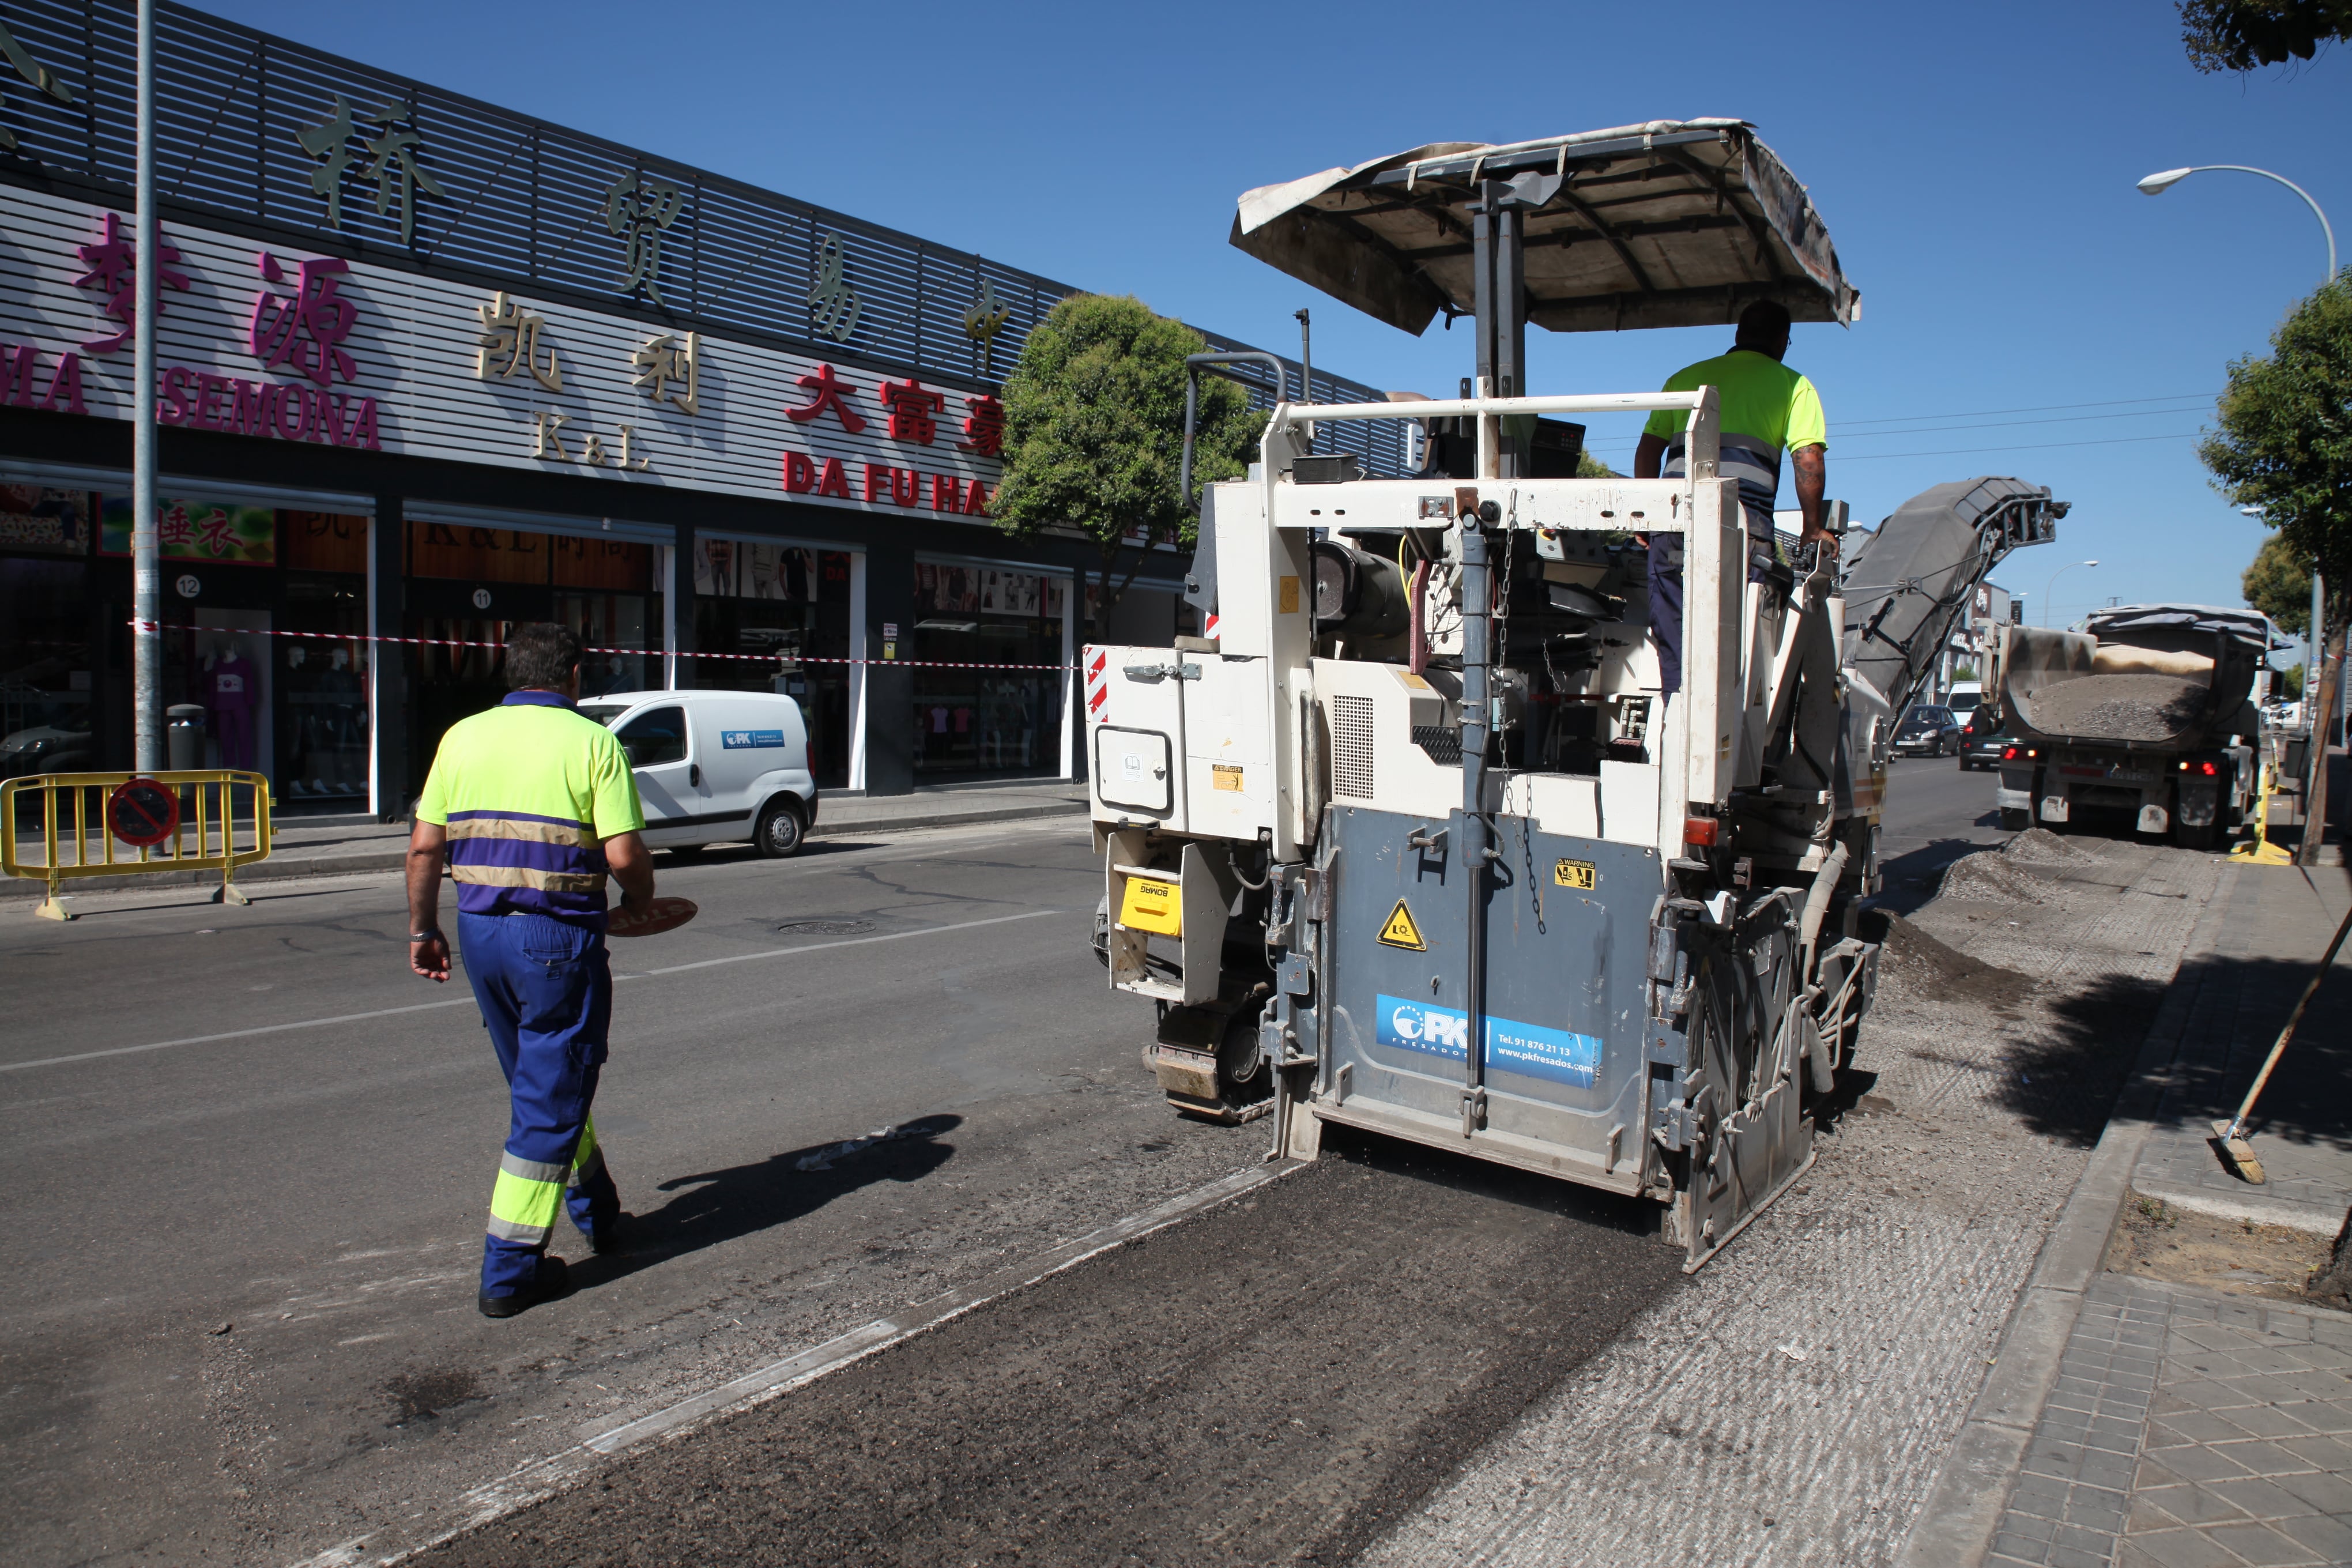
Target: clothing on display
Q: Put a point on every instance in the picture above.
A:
(232, 691)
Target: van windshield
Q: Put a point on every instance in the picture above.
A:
(603, 712)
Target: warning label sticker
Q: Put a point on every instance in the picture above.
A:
(1402, 931)
(1225, 775)
(1576, 874)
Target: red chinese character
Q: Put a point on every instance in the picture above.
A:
(985, 431)
(113, 264)
(175, 527)
(912, 410)
(304, 329)
(218, 536)
(826, 392)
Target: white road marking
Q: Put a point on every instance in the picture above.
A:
(467, 1000)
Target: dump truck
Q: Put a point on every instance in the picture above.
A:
(1415, 842)
(2149, 709)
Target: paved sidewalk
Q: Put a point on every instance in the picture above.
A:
(2188, 1426)
(344, 845)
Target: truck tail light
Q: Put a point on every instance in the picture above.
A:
(2207, 769)
(2008, 754)
(1699, 830)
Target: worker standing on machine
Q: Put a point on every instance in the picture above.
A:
(1767, 409)
(533, 805)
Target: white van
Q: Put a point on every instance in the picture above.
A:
(715, 766)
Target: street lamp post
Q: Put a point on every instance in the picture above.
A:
(2158, 183)
(2053, 584)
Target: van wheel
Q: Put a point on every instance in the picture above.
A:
(779, 832)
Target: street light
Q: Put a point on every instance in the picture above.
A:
(2053, 584)
(2158, 183)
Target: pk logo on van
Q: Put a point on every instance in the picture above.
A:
(749, 740)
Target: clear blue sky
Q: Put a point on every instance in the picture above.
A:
(1975, 164)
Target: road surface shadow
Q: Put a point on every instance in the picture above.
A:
(2063, 1082)
(710, 1207)
(1909, 881)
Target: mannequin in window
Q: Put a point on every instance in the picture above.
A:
(231, 691)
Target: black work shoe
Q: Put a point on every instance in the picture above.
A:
(617, 1238)
(549, 1283)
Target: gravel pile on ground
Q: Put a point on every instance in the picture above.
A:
(2040, 847)
(1989, 876)
(1931, 968)
(2118, 707)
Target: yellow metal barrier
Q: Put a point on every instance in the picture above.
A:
(73, 840)
(2261, 851)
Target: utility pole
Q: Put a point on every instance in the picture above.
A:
(146, 575)
(2319, 705)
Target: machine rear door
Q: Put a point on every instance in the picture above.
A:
(1565, 996)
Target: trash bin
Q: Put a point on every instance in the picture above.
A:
(183, 735)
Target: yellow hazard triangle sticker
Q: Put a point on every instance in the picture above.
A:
(1400, 931)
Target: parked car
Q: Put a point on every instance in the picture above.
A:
(716, 767)
(1927, 730)
(1981, 742)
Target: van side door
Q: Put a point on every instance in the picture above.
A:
(755, 739)
(660, 746)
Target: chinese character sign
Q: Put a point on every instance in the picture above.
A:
(188, 530)
(113, 264)
(669, 370)
(983, 321)
(638, 208)
(827, 390)
(834, 305)
(304, 329)
(913, 411)
(31, 70)
(397, 173)
(510, 334)
(983, 430)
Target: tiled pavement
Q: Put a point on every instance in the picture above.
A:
(2190, 1429)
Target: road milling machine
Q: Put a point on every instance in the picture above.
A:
(1411, 842)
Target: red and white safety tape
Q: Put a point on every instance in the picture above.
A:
(637, 652)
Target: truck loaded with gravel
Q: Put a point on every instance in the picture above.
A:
(2149, 709)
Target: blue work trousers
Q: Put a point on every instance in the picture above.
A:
(1666, 594)
(545, 987)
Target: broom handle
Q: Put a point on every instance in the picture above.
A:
(2238, 1122)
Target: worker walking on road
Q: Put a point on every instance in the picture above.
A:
(1767, 409)
(531, 805)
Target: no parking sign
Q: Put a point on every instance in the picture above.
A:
(143, 813)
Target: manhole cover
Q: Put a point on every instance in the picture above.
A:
(823, 928)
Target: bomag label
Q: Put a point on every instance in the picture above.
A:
(1578, 874)
(1402, 931)
(1152, 905)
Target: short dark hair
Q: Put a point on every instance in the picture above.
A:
(542, 655)
(1765, 321)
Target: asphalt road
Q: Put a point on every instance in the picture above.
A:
(240, 1325)
(310, 1169)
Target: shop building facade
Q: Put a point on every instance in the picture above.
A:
(428, 369)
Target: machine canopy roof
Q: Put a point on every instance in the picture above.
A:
(1677, 223)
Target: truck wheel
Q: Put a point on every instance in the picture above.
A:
(779, 832)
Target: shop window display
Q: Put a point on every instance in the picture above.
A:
(972, 720)
(44, 653)
(783, 613)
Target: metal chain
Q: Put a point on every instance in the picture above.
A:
(1502, 634)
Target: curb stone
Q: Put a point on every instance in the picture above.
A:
(1955, 1526)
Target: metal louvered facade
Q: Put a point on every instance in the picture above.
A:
(516, 203)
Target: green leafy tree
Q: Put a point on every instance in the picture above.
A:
(2278, 583)
(2285, 445)
(1094, 432)
(2285, 441)
(2288, 683)
(2240, 34)
(1589, 466)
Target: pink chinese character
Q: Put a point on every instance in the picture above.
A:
(304, 329)
(113, 264)
(175, 527)
(827, 391)
(985, 431)
(218, 536)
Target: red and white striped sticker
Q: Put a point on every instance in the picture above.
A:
(1097, 663)
(1209, 625)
